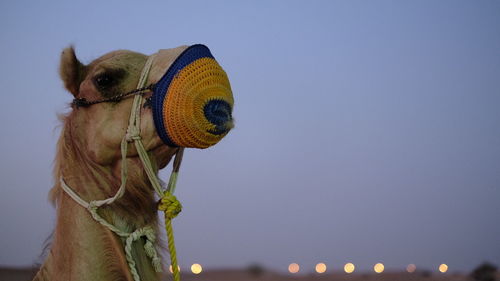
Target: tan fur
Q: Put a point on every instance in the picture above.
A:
(88, 158)
(71, 70)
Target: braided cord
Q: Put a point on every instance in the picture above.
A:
(171, 249)
(129, 237)
(168, 203)
(171, 208)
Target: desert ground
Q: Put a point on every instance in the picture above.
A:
(25, 274)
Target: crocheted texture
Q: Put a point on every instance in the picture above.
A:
(218, 112)
(181, 96)
(195, 97)
(172, 206)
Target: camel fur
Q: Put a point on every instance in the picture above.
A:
(88, 158)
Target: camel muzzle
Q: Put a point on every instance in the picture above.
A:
(192, 102)
(192, 107)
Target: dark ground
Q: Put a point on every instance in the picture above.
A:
(25, 274)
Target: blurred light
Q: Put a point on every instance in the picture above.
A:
(170, 268)
(320, 267)
(411, 268)
(349, 267)
(378, 268)
(443, 268)
(196, 268)
(293, 268)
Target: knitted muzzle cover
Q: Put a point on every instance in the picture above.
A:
(192, 102)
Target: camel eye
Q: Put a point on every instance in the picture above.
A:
(104, 81)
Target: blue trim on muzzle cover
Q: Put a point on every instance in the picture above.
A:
(218, 112)
(191, 54)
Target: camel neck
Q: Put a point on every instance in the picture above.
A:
(82, 248)
(95, 181)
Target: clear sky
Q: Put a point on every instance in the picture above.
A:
(367, 131)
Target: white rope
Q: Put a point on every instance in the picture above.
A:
(133, 131)
(121, 189)
(133, 134)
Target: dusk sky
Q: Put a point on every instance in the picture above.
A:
(366, 131)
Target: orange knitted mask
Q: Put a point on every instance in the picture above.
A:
(192, 102)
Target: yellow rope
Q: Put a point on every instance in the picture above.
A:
(168, 203)
(171, 208)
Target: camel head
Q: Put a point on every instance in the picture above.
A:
(190, 108)
(130, 114)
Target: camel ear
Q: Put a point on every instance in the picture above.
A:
(71, 70)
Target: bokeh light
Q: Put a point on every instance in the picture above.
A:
(443, 268)
(349, 267)
(411, 268)
(378, 268)
(196, 268)
(170, 269)
(293, 268)
(320, 267)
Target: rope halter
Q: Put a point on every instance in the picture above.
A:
(192, 107)
(168, 203)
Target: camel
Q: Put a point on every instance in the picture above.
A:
(89, 159)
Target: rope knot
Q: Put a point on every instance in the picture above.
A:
(147, 232)
(92, 207)
(170, 205)
(149, 247)
(133, 134)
